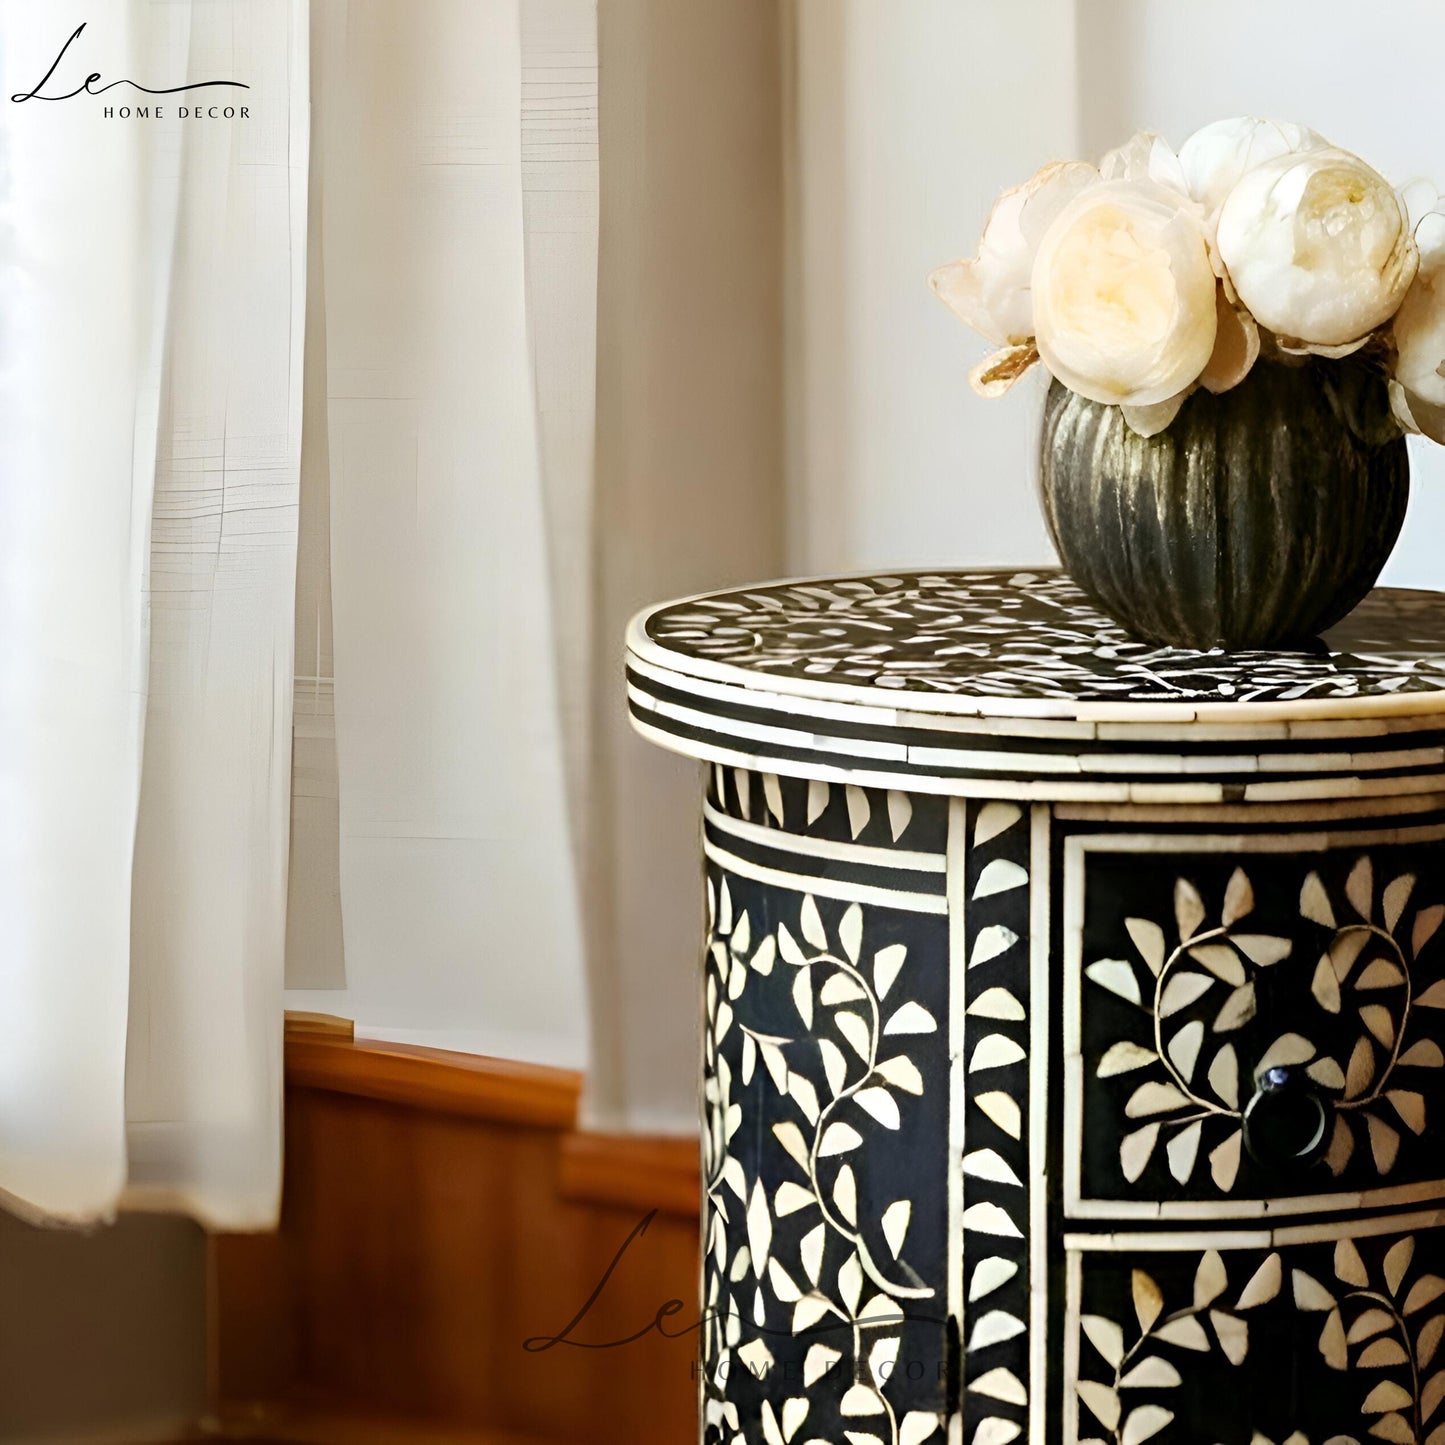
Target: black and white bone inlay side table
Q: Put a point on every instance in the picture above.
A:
(1074, 1051)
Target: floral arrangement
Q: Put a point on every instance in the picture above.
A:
(1139, 280)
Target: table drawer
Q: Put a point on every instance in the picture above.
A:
(1254, 1025)
(1307, 1333)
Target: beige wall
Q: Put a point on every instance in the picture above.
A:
(689, 476)
(102, 1336)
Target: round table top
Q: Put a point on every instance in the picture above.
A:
(918, 675)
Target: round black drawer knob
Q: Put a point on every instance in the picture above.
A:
(1285, 1122)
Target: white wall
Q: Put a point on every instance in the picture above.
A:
(908, 120)
(1366, 76)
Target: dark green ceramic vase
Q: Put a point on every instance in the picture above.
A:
(1255, 519)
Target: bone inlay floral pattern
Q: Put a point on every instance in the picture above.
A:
(1321, 1342)
(1033, 634)
(1074, 1041)
(1333, 974)
(826, 1043)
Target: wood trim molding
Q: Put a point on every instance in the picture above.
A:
(466, 1085)
(628, 1170)
(632, 1171)
(331, 1026)
(440, 1209)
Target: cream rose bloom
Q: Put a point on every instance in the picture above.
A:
(991, 292)
(1317, 247)
(1417, 392)
(1124, 295)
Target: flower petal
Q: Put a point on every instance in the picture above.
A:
(1149, 421)
(1236, 345)
(958, 286)
(1216, 156)
(990, 293)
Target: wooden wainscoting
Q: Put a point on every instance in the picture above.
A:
(441, 1209)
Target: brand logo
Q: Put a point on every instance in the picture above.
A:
(44, 90)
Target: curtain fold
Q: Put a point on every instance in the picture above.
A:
(150, 329)
(445, 398)
(203, 1079)
(78, 381)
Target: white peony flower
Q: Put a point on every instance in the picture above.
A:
(1214, 158)
(1124, 295)
(1417, 391)
(991, 292)
(1317, 247)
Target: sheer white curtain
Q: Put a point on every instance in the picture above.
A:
(151, 322)
(498, 826)
(452, 376)
(475, 830)
(151, 404)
